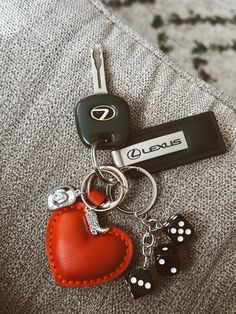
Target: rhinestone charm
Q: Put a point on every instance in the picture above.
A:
(61, 197)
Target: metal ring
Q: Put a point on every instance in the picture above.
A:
(154, 192)
(123, 185)
(120, 179)
(143, 220)
(154, 225)
(146, 237)
(147, 251)
(97, 168)
(151, 223)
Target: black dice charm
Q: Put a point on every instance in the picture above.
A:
(140, 283)
(178, 229)
(167, 259)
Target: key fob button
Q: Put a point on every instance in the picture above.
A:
(103, 117)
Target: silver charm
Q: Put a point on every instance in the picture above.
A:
(61, 197)
(92, 220)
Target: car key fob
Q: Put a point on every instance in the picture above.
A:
(102, 116)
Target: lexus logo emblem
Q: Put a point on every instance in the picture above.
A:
(103, 113)
(134, 154)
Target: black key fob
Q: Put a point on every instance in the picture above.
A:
(103, 117)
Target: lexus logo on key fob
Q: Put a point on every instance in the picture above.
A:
(134, 154)
(103, 113)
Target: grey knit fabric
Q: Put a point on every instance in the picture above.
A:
(45, 71)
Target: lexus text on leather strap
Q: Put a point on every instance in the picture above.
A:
(81, 252)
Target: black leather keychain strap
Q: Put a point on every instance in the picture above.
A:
(173, 144)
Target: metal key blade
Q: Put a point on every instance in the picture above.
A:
(96, 55)
(98, 70)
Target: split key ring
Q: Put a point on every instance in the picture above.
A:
(154, 192)
(121, 182)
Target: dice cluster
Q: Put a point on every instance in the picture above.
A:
(167, 260)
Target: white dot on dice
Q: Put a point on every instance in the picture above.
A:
(161, 261)
(147, 285)
(173, 230)
(181, 223)
(180, 239)
(140, 283)
(133, 280)
(181, 231)
(188, 231)
(173, 270)
(165, 249)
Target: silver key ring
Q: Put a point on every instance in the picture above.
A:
(120, 180)
(96, 167)
(154, 192)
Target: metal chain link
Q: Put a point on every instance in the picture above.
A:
(151, 225)
(148, 243)
(148, 239)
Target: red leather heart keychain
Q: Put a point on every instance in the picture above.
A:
(79, 259)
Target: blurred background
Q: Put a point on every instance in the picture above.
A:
(199, 35)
